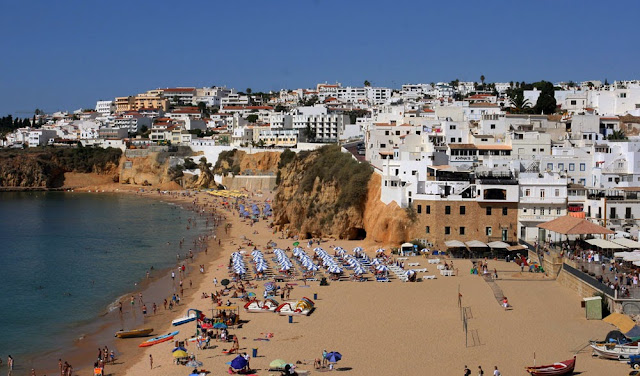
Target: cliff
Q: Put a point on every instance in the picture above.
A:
(46, 168)
(239, 162)
(326, 193)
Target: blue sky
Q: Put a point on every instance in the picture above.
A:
(68, 54)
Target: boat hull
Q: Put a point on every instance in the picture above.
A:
(183, 320)
(555, 369)
(614, 351)
(134, 333)
(160, 339)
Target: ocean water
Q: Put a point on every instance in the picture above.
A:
(65, 257)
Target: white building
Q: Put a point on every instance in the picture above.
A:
(105, 108)
(40, 137)
(543, 197)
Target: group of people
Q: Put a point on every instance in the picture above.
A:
(496, 371)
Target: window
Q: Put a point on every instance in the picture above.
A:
(397, 133)
(541, 211)
(558, 211)
(447, 230)
(560, 166)
(492, 126)
(489, 210)
(582, 166)
(428, 209)
(505, 211)
(463, 210)
(419, 209)
(428, 230)
(557, 193)
(572, 166)
(534, 211)
(527, 192)
(386, 133)
(573, 103)
(487, 231)
(383, 145)
(533, 150)
(447, 209)
(542, 193)
(453, 139)
(623, 95)
(627, 213)
(452, 126)
(549, 166)
(461, 230)
(542, 150)
(610, 179)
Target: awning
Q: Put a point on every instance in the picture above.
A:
(518, 247)
(605, 244)
(454, 244)
(498, 244)
(627, 243)
(476, 244)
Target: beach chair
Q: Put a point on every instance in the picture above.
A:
(382, 279)
(425, 277)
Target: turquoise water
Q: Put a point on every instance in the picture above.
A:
(66, 256)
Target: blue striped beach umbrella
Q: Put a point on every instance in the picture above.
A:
(269, 286)
(312, 267)
(335, 269)
(261, 268)
(359, 270)
(380, 250)
(318, 249)
(376, 261)
(357, 250)
(382, 268)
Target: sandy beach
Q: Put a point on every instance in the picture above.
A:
(379, 328)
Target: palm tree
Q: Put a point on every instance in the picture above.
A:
(519, 104)
(482, 80)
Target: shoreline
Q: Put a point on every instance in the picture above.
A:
(101, 328)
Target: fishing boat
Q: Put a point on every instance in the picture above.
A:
(303, 307)
(134, 333)
(561, 368)
(615, 350)
(257, 306)
(192, 316)
(160, 339)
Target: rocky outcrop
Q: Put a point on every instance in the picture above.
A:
(46, 168)
(324, 208)
(239, 162)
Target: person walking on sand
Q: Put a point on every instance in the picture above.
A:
(480, 371)
(151, 361)
(10, 363)
(215, 282)
(467, 371)
(496, 372)
(60, 366)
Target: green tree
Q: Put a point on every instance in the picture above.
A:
(310, 133)
(189, 164)
(519, 105)
(482, 80)
(367, 83)
(546, 103)
(606, 83)
(617, 135)
(280, 108)
(248, 90)
(202, 107)
(252, 118)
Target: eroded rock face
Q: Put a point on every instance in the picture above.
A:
(317, 213)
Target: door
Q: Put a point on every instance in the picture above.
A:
(505, 234)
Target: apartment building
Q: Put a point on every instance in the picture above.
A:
(543, 197)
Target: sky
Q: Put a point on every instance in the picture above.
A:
(65, 55)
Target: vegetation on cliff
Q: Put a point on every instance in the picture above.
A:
(322, 193)
(45, 167)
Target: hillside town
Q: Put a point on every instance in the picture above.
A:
(513, 154)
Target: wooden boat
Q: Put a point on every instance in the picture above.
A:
(160, 339)
(257, 306)
(134, 333)
(615, 351)
(561, 368)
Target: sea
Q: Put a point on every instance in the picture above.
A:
(66, 258)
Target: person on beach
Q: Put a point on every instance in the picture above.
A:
(467, 371)
(133, 300)
(215, 282)
(151, 361)
(155, 308)
(505, 302)
(496, 372)
(59, 366)
(173, 276)
(480, 371)
(144, 309)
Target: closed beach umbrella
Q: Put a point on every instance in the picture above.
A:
(380, 250)
(180, 354)
(277, 364)
(333, 357)
(239, 362)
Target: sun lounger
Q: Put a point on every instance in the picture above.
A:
(440, 267)
(434, 261)
(413, 264)
(446, 273)
(425, 277)
(423, 270)
(382, 279)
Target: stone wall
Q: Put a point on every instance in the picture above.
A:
(252, 183)
(579, 286)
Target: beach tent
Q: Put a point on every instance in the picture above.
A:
(406, 248)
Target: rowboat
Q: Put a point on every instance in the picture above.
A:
(561, 368)
(615, 351)
(185, 319)
(134, 333)
(160, 339)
